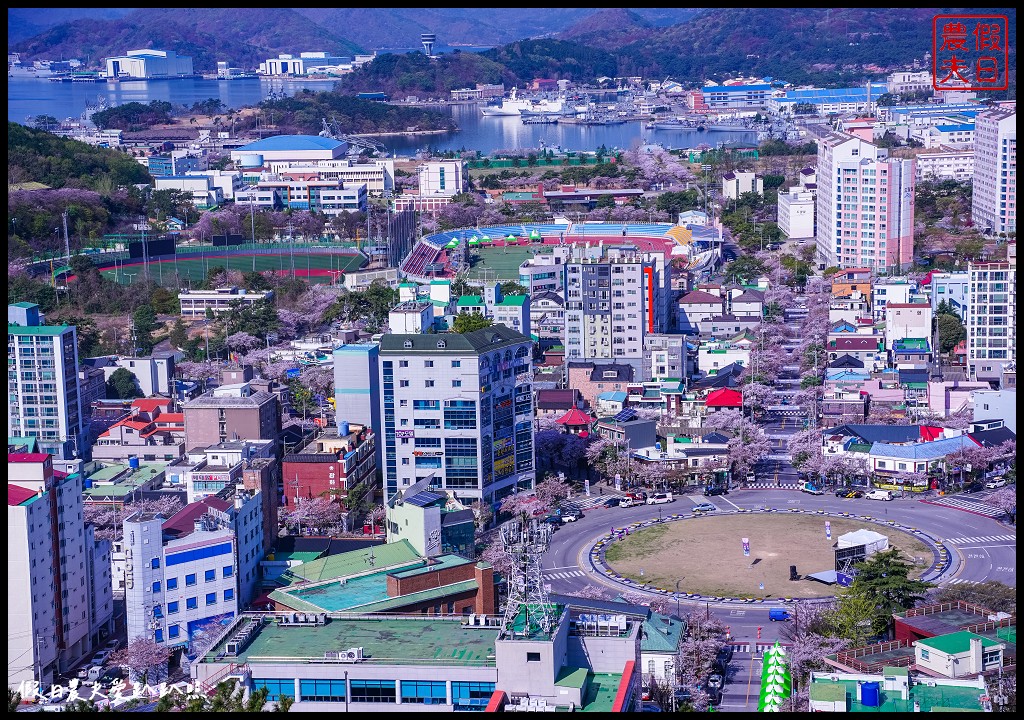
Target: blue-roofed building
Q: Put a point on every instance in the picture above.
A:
(952, 134)
(888, 460)
(294, 148)
(827, 101)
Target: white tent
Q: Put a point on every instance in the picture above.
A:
(873, 542)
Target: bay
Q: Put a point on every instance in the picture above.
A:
(30, 96)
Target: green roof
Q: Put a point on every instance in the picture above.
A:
(24, 305)
(481, 341)
(828, 693)
(895, 671)
(352, 563)
(662, 634)
(430, 641)
(574, 677)
(465, 300)
(513, 300)
(955, 643)
(51, 330)
(942, 697)
(601, 691)
(30, 443)
(442, 562)
(437, 593)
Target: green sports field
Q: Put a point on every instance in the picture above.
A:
(316, 268)
(501, 263)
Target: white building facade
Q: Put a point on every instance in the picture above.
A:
(994, 204)
(992, 319)
(796, 213)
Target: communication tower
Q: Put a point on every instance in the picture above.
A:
(528, 610)
(428, 40)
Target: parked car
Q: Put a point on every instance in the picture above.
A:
(751, 477)
(715, 681)
(973, 486)
(722, 658)
(778, 614)
(553, 520)
(996, 482)
(660, 498)
(612, 502)
(812, 489)
(682, 695)
(571, 515)
(704, 507)
(879, 495)
(849, 493)
(716, 490)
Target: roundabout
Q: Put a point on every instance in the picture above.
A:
(703, 555)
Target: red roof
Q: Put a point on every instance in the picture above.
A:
(183, 521)
(27, 457)
(134, 424)
(173, 418)
(16, 494)
(930, 432)
(575, 417)
(724, 397)
(150, 404)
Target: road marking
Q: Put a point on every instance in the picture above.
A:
(724, 498)
(563, 567)
(737, 613)
(985, 547)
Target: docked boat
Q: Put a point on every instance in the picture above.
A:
(515, 106)
(539, 119)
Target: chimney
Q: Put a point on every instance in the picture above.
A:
(975, 662)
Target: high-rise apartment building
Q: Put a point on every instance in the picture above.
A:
(994, 205)
(59, 590)
(992, 320)
(458, 408)
(613, 300)
(43, 396)
(865, 205)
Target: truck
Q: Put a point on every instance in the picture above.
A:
(635, 498)
(879, 495)
(775, 614)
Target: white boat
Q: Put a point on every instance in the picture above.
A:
(515, 106)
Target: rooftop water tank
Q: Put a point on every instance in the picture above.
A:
(133, 463)
(869, 695)
(342, 429)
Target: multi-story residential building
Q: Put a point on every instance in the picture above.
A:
(891, 290)
(231, 412)
(950, 287)
(411, 316)
(736, 183)
(44, 401)
(992, 320)
(613, 301)
(458, 408)
(796, 214)
(545, 272)
(547, 315)
(994, 204)
(735, 97)
(512, 311)
(946, 164)
(195, 303)
(746, 304)
(865, 205)
(715, 355)
(191, 570)
(696, 308)
(336, 462)
(665, 356)
(154, 374)
(59, 591)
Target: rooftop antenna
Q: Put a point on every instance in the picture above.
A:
(528, 610)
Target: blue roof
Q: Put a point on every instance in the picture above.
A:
(618, 396)
(965, 127)
(736, 88)
(292, 142)
(852, 94)
(923, 451)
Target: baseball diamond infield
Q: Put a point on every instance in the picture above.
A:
(707, 554)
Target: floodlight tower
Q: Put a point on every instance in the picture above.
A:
(528, 610)
(428, 40)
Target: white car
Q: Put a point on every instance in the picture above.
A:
(996, 482)
(660, 498)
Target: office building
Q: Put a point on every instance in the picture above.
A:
(992, 318)
(865, 205)
(59, 591)
(148, 64)
(459, 409)
(614, 298)
(994, 205)
(195, 303)
(44, 401)
(796, 214)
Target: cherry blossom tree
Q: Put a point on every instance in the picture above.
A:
(319, 513)
(697, 653)
(656, 604)
(482, 514)
(143, 659)
(494, 553)
(551, 490)
(197, 370)
(748, 446)
(728, 419)
(812, 637)
(756, 396)
(805, 447)
(108, 519)
(524, 504)
(590, 592)
(243, 342)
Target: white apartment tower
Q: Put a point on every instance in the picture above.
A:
(58, 607)
(613, 300)
(458, 408)
(44, 401)
(865, 205)
(994, 205)
(992, 320)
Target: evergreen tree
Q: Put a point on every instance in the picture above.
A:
(121, 385)
(884, 579)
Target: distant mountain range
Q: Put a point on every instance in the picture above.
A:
(820, 45)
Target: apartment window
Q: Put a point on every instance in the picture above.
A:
(229, 594)
(172, 583)
(210, 575)
(228, 571)
(190, 580)
(456, 363)
(428, 363)
(172, 608)
(533, 657)
(211, 598)
(428, 383)
(156, 587)
(158, 636)
(155, 563)
(191, 603)
(403, 363)
(456, 383)
(403, 383)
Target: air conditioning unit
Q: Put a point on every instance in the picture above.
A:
(352, 654)
(931, 683)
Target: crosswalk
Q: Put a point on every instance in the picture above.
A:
(959, 581)
(759, 648)
(566, 575)
(982, 539)
(585, 503)
(972, 506)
